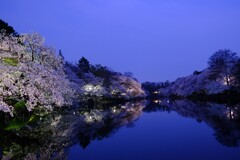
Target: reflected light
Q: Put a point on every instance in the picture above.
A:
(231, 114)
(157, 101)
(156, 92)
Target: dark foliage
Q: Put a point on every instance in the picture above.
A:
(227, 97)
(103, 72)
(6, 28)
(236, 72)
(197, 72)
(84, 65)
(153, 88)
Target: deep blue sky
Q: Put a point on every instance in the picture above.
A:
(157, 40)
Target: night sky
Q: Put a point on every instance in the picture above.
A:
(157, 40)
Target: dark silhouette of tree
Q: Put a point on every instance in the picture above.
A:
(226, 137)
(62, 60)
(165, 84)
(103, 72)
(153, 87)
(84, 65)
(84, 140)
(221, 64)
(197, 72)
(128, 74)
(236, 72)
(6, 28)
(60, 54)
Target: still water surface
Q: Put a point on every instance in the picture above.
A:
(153, 130)
(169, 131)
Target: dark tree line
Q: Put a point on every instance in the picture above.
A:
(84, 66)
(6, 28)
(154, 88)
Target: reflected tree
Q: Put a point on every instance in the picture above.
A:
(84, 140)
(84, 126)
(228, 137)
(156, 106)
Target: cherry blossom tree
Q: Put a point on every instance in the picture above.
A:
(39, 81)
(221, 65)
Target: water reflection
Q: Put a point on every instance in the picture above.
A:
(224, 119)
(102, 123)
(53, 135)
(157, 106)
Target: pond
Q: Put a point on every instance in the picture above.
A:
(147, 130)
